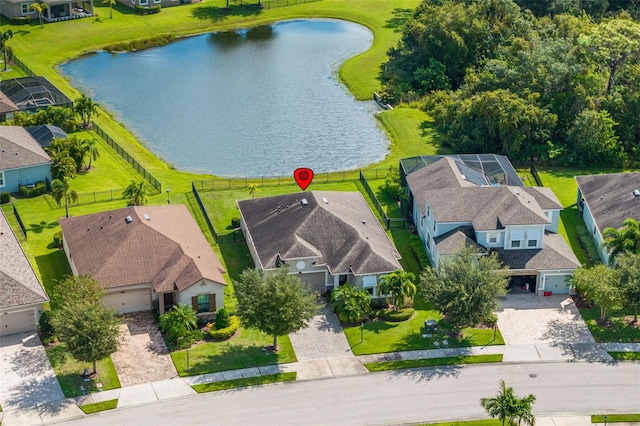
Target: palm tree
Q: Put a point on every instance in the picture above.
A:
(626, 239)
(111, 3)
(4, 37)
(350, 303)
(136, 193)
(61, 188)
(40, 8)
(178, 321)
(90, 147)
(508, 408)
(252, 188)
(400, 285)
(86, 108)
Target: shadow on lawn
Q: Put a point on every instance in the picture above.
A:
(216, 14)
(426, 374)
(399, 19)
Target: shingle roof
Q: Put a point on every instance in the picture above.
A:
(342, 233)
(555, 254)
(19, 284)
(6, 105)
(167, 250)
(18, 149)
(610, 197)
(452, 241)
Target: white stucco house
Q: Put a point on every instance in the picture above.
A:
(326, 238)
(605, 201)
(22, 296)
(454, 203)
(144, 255)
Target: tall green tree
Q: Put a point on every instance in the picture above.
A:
(85, 106)
(592, 140)
(275, 303)
(39, 8)
(4, 37)
(626, 239)
(628, 271)
(75, 289)
(136, 193)
(599, 284)
(350, 303)
(61, 188)
(399, 285)
(465, 287)
(90, 148)
(508, 408)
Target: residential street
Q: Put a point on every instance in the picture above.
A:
(399, 397)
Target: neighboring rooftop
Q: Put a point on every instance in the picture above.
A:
(611, 197)
(30, 93)
(337, 228)
(161, 245)
(45, 133)
(19, 149)
(19, 284)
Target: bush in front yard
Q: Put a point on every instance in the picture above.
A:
(47, 332)
(222, 319)
(5, 197)
(395, 316)
(227, 332)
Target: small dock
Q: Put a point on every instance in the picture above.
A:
(380, 102)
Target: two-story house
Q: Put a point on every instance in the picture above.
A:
(454, 204)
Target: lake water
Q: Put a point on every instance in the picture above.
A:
(258, 102)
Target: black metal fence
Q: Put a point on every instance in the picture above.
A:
(103, 196)
(20, 223)
(535, 175)
(374, 199)
(155, 183)
(204, 212)
(271, 4)
(22, 66)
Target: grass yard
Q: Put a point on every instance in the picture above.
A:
(99, 406)
(69, 371)
(625, 356)
(243, 383)
(616, 331)
(243, 351)
(432, 362)
(615, 418)
(485, 422)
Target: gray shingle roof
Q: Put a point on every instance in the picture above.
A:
(343, 233)
(19, 284)
(19, 149)
(555, 254)
(168, 250)
(452, 241)
(610, 197)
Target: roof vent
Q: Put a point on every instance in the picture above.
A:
(463, 177)
(325, 200)
(516, 192)
(146, 216)
(636, 193)
(364, 222)
(128, 219)
(304, 202)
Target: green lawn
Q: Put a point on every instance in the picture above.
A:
(616, 331)
(99, 406)
(432, 362)
(69, 371)
(485, 422)
(242, 383)
(242, 351)
(615, 418)
(625, 356)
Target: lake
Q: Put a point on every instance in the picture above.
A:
(251, 103)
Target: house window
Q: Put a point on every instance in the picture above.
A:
(532, 243)
(428, 211)
(203, 303)
(517, 236)
(157, 1)
(493, 238)
(515, 244)
(144, 2)
(25, 8)
(342, 279)
(1, 179)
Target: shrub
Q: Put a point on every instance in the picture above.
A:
(5, 197)
(351, 303)
(186, 341)
(57, 239)
(587, 243)
(47, 332)
(143, 10)
(235, 222)
(30, 192)
(379, 303)
(396, 316)
(417, 247)
(227, 332)
(21, 20)
(222, 319)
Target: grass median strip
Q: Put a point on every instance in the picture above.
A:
(484, 422)
(99, 406)
(241, 383)
(625, 356)
(432, 362)
(615, 418)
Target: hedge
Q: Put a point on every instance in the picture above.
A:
(5, 197)
(417, 247)
(143, 10)
(395, 316)
(39, 189)
(227, 332)
(21, 20)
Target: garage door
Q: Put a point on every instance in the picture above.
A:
(315, 281)
(556, 284)
(129, 300)
(18, 322)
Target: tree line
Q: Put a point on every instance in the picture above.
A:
(532, 85)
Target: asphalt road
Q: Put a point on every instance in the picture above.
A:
(398, 397)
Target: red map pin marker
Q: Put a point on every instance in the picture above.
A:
(303, 177)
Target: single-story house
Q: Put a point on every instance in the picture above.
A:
(45, 133)
(327, 238)
(146, 257)
(22, 159)
(33, 93)
(57, 10)
(605, 201)
(22, 295)
(454, 203)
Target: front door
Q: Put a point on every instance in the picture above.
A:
(168, 300)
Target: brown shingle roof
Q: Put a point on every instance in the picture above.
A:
(6, 105)
(333, 232)
(19, 284)
(18, 149)
(168, 250)
(610, 197)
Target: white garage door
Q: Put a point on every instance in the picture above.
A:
(129, 300)
(18, 322)
(556, 284)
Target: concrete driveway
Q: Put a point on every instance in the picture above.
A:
(530, 319)
(27, 380)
